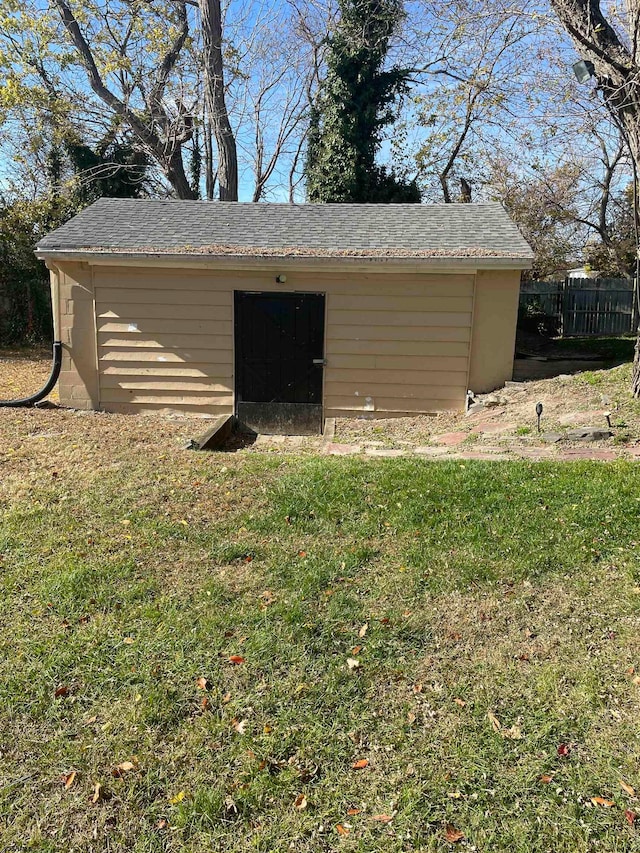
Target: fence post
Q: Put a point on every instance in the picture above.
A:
(563, 309)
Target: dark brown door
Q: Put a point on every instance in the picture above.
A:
(279, 358)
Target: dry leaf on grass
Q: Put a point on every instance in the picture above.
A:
(352, 812)
(202, 683)
(98, 793)
(239, 726)
(177, 798)
(630, 816)
(69, 779)
(460, 702)
(452, 834)
(60, 691)
(341, 830)
(300, 802)
(360, 765)
(563, 750)
(122, 768)
(352, 663)
(235, 659)
(363, 630)
(496, 725)
(628, 788)
(382, 818)
(601, 801)
(545, 778)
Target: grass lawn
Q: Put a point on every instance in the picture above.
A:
(272, 653)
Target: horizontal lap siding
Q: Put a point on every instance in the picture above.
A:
(403, 349)
(165, 341)
(395, 343)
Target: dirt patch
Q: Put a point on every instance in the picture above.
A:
(567, 401)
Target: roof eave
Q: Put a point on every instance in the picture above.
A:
(271, 262)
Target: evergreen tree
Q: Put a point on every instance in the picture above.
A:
(353, 107)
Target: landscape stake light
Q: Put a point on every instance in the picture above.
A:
(539, 413)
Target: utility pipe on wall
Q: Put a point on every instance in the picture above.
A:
(56, 364)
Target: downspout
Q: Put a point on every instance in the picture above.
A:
(56, 364)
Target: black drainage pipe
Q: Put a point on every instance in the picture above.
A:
(46, 389)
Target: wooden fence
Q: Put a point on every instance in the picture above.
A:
(585, 307)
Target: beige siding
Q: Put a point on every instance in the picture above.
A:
(494, 329)
(395, 344)
(78, 383)
(165, 341)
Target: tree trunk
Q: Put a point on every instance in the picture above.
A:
(176, 176)
(214, 88)
(635, 378)
(616, 65)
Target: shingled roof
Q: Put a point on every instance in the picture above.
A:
(146, 226)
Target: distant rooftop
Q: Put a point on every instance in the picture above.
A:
(149, 226)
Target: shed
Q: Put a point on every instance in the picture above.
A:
(284, 314)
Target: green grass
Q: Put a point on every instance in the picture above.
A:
(511, 588)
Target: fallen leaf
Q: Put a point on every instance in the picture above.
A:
(202, 683)
(341, 830)
(630, 816)
(124, 767)
(356, 650)
(302, 553)
(636, 680)
(162, 824)
(564, 750)
(352, 663)
(352, 812)
(226, 698)
(204, 704)
(455, 795)
(628, 788)
(496, 725)
(545, 778)
(300, 802)
(382, 818)
(178, 798)
(63, 690)
(417, 688)
(267, 729)
(69, 779)
(460, 702)
(512, 733)
(235, 659)
(452, 834)
(601, 801)
(98, 793)
(239, 726)
(363, 630)
(411, 717)
(128, 641)
(360, 764)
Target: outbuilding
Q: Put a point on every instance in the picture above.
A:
(284, 314)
